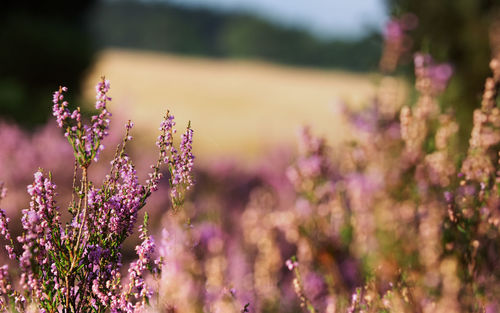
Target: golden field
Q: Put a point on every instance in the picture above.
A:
(238, 109)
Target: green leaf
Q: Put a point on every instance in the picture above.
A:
(461, 229)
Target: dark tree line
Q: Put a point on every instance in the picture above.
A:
(43, 44)
(194, 31)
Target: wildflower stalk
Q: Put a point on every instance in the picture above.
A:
(298, 286)
(84, 219)
(77, 267)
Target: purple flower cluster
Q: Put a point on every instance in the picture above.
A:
(485, 135)
(5, 287)
(397, 42)
(41, 233)
(85, 139)
(180, 162)
(310, 173)
(118, 204)
(431, 76)
(138, 269)
(291, 264)
(181, 167)
(395, 29)
(77, 266)
(165, 143)
(4, 220)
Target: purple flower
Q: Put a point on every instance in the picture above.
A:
(393, 30)
(182, 165)
(85, 139)
(437, 75)
(4, 222)
(291, 264)
(138, 288)
(77, 265)
(180, 162)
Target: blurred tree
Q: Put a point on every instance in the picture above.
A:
(156, 26)
(455, 31)
(251, 37)
(195, 31)
(44, 44)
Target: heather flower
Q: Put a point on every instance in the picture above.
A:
(431, 76)
(138, 289)
(310, 174)
(85, 139)
(299, 287)
(4, 221)
(41, 226)
(5, 288)
(77, 267)
(291, 264)
(431, 81)
(485, 136)
(181, 166)
(396, 41)
(180, 161)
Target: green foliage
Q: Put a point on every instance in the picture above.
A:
(456, 32)
(165, 27)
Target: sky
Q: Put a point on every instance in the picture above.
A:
(325, 18)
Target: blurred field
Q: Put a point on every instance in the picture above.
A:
(237, 108)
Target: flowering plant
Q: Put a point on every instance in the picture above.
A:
(74, 266)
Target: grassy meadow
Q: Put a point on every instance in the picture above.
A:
(239, 109)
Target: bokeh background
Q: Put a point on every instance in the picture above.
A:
(248, 75)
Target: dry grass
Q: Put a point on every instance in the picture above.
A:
(237, 108)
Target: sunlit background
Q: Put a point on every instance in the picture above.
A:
(247, 74)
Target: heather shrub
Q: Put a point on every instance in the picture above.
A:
(417, 221)
(397, 219)
(74, 265)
